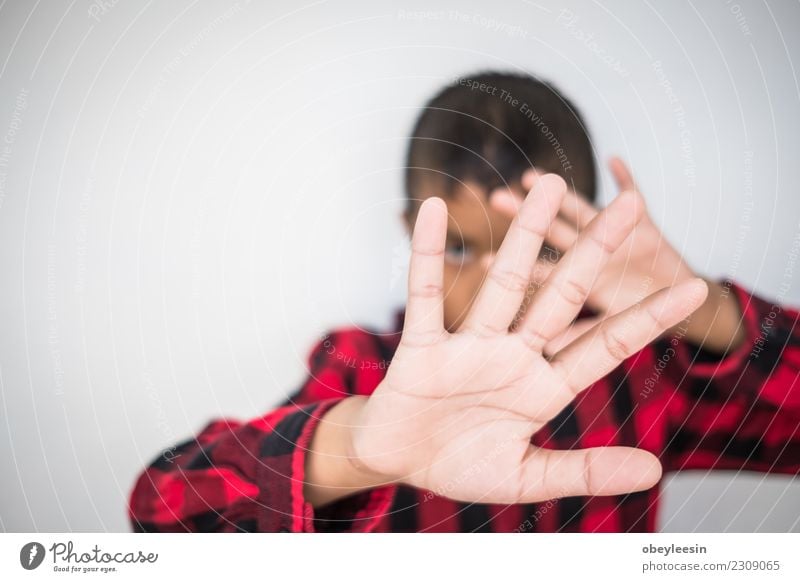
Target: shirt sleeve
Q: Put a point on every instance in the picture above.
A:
(740, 411)
(248, 476)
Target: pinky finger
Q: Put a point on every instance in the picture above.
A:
(604, 347)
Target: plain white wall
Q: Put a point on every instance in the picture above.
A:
(192, 192)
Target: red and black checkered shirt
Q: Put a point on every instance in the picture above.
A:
(691, 409)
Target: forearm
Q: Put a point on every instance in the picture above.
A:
(332, 470)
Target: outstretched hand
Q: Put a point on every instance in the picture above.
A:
(455, 412)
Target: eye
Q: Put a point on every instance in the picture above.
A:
(458, 252)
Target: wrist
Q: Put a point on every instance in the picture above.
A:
(717, 325)
(333, 469)
(360, 470)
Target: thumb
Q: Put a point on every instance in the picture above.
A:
(550, 474)
(622, 174)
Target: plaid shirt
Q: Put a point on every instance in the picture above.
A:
(691, 409)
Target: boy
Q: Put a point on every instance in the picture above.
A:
(491, 407)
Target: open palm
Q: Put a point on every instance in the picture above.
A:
(455, 412)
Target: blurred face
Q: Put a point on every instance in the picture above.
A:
(475, 231)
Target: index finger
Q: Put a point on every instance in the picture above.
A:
(574, 207)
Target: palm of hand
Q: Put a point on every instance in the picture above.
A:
(645, 263)
(485, 396)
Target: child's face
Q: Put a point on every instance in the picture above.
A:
(475, 231)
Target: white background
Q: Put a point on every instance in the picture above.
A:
(193, 192)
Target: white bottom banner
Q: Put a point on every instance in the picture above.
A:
(353, 557)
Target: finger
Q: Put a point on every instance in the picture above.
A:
(424, 319)
(562, 235)
(509, 274)
(560, 299)
(551, 474)
(529, 178)
(577, 210)
(541, 271)
(573, 332)
(505, 201)
(597, 352)
(574, 207)
(544, 265)
(622, 175)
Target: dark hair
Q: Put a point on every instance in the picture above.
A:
(490, 127)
